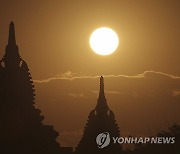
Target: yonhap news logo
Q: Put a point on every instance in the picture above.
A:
(104, 139)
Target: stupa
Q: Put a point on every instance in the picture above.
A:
(21, 127)
(100, 120)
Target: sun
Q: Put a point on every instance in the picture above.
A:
(104, 41)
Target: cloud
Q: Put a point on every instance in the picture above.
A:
(176, 92)
(109, 92)
(113, 92)
(72, 76)
(76, 95)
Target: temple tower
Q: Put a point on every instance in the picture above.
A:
(100, 120)
(21, 127)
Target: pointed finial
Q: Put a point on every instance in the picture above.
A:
(11, 40)
(101, 93)
(102, 106)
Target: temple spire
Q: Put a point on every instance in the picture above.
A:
(102, 106)
(11, 40)
(101, 92)
(101, 119)
(12, 57)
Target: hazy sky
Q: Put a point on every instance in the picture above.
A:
(53, 36)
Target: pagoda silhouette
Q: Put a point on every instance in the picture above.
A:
(21, 127)
(100, 120)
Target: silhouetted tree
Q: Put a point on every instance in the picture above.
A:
(173, 131)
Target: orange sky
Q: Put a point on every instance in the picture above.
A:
(53, 35)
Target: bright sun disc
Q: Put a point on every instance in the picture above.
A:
(104, 41)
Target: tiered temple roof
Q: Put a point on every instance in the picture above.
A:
(100, 120)
(21, 128)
